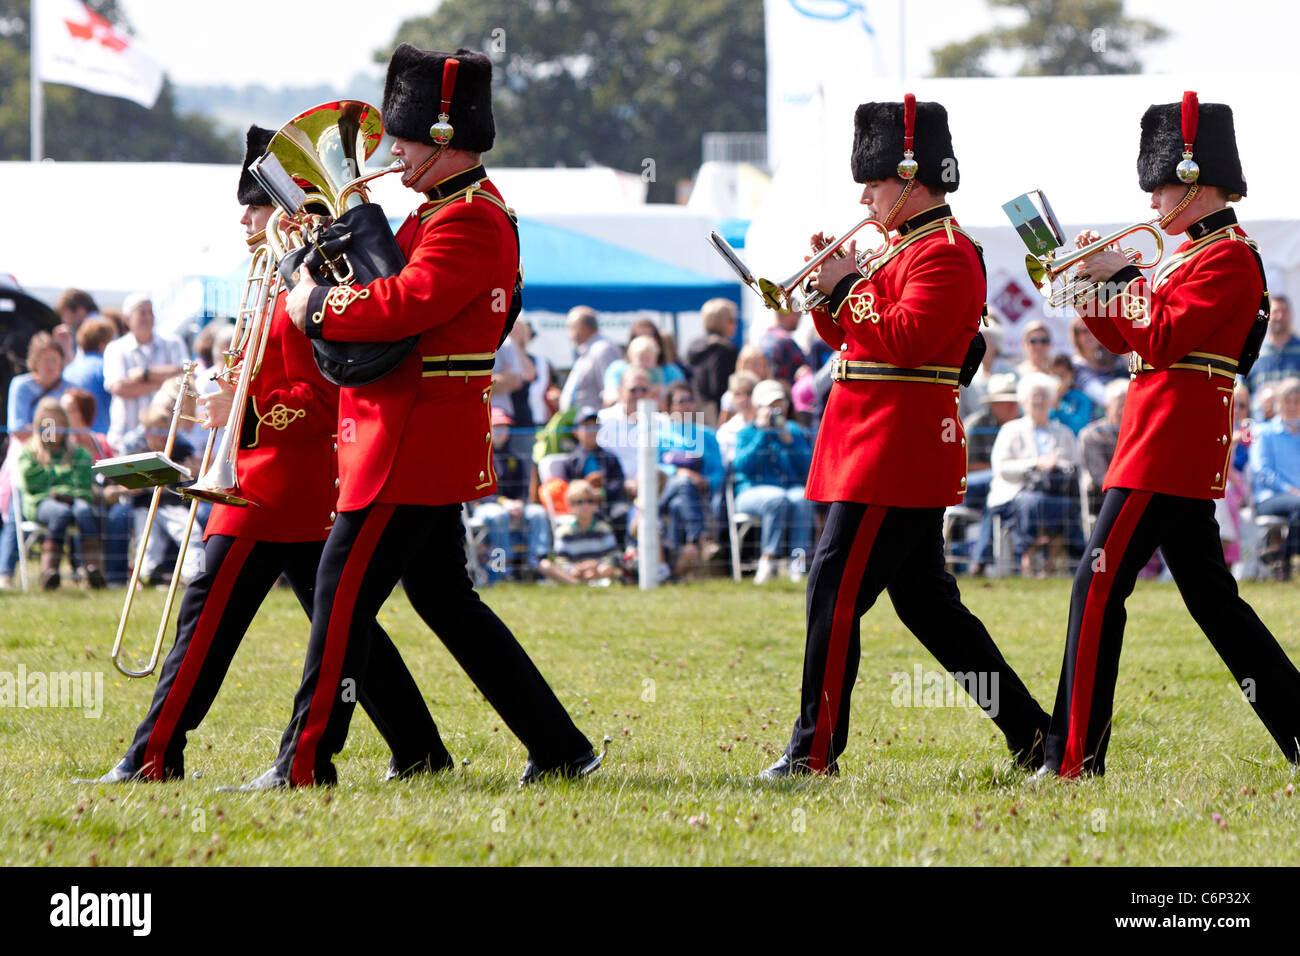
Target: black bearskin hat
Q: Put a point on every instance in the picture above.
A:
(251, 192)
(1214, 149)
(413, 97)
(878, 145)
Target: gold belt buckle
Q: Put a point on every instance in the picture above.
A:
(837, 369)
(1134, 363)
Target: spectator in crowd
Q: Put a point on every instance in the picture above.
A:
(688, 446)
(642, 352)
(740, 391)
(173, 511)
(1073, 408)
(780, 349)
(1275, 465)
(1097, 441)
(508, 515)
(1035, 462)
(44, 379)
(1000, 407)
(112, 504)
(536, 372)
(994, 363)
(1279, 356)
(1236, 491)
(1037, 341)
(596, 466)
(115, 316)
(74, 306)
(712, 356)
(586, 551)
(670, 360)
(1266, 402)
(594, 355)
(772, 460)
(752, 360)
(136, 364)
(1094, 366)
(87, 370)
(507, 380)
(55, 478)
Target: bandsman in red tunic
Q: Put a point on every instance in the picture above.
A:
(1190, 330)
(891, 454)
(417, 442)
(285, 469)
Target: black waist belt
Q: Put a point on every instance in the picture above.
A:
(1206, 362)
(473, 363)
(843, 370)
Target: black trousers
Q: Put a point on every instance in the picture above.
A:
(866, 549)
(216, 611)
(1130, 526)
(423, 546)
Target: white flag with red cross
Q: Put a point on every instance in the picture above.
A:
(77, 46)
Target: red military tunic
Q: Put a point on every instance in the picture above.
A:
(416, 437)
(285, 465)
(901, 443)
(1176, 433)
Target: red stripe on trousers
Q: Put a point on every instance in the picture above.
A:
(214, 606)
(846, 602)
(302, 772)
(1094, 615)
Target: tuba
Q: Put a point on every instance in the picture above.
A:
(314, 168)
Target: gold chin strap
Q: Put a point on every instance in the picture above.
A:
(418, 173)
(888, 221)
(1192, 190)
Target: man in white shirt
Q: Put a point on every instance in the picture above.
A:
(595, 354)
(136, 365)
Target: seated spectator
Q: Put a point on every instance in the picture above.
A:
(1037, 341)
(586, 380)
(772, 460)
(1000, 407)
(687, 444)
(681, 506)
(599, 468)
(783, 354)
(1035, 462)
(712, 356)
(642, 352)
(1097, 441)
(1236, 491)
(740, 390)
(1094, 366)
(1275, 467)
(1279, 355)
(173, 511)
(136, 364)
(86, 371)
(54, 477)
(112, 504)
(509, 516)
(750, 360)
(670, 360)
(994, 363)
(1073, 408)
(1266, 402)
(586, 550)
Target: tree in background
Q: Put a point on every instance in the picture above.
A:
(1057, 38)
(85, 126)
(632, 84)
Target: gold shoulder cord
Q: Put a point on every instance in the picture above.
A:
(877, 264)
(1180, 259)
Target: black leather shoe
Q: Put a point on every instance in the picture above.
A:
(427, 765)
(1032, 756)
(122, 773)
(271, 780)
(786, 767)
(570, 769)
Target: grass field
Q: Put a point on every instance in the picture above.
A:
(698, 686)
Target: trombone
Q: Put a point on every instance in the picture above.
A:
(186, 391)
(1045, 270)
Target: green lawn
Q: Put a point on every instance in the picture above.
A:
(698, 685)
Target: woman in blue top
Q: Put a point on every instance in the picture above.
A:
(771, 465)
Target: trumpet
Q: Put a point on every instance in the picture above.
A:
(1045, 270)
(186, 391)
(793, 295)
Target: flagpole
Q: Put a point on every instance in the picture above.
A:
(38, 102)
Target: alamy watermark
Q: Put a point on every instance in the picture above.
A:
(926, 688)
(83, 690)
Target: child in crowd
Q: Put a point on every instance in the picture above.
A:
(1073, 409)
(585, 547)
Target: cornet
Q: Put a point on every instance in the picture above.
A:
(1045, 270)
